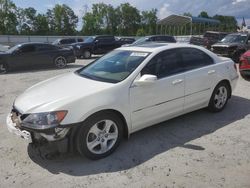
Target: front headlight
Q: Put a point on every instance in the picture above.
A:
(44, 120)
(78, 46)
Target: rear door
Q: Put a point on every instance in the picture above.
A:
(200, 77)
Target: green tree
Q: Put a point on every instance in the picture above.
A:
(187, 14)
(8, 19)
(140, 32)
(89, 24)
(228, 23)
(62, 20)
(149, 21)
(130, 19)
(26, 18)
(203, 14)
(41, 25)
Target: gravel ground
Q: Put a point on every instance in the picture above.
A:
(200, 149)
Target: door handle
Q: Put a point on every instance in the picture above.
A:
(211, 72)
(178, 81)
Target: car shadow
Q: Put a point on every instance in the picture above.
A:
(150, 142)
(44, 68)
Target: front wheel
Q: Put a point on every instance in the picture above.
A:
(60, 62)
(219, 97)
(86, 54)
(100, 135)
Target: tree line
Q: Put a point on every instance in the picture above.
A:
(124, 19)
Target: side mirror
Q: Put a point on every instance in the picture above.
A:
(96, 41)
(146, 79)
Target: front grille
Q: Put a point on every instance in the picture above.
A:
(220, 50)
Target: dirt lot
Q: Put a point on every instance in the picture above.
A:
(200, 149)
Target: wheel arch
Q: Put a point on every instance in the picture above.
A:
(228, 84)
(118, 114)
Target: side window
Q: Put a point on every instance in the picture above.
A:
(27, 49)
(164, 64)
(45, 47)
(193, 58)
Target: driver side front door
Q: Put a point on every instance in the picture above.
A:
(163, 99)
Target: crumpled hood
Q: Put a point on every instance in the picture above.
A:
(57, 92)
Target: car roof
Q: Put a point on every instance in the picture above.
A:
(26, 43)
(151, 47)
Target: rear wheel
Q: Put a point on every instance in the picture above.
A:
(60, 62)
(100, 135)
(3, 68)
(219, 97)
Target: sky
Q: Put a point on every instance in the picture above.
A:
(237, 8)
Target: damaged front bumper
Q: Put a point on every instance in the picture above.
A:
(13, 128)
(33, 135)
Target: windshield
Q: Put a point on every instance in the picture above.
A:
(234, 39)
(113, 67)
(140, 40)
(14, 48)
(89, 39)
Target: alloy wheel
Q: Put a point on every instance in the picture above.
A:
(102, 136)
(220, 97)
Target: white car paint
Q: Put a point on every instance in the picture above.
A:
(141, 106)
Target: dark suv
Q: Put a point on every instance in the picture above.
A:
(95, 45)
(65, 42)
(233, 46)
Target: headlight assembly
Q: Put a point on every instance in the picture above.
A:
(44, 120)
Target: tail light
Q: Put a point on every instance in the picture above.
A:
(244, 61)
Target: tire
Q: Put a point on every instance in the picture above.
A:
(86, 54)
(3, 68)
(60, 62)
(219, 97)
(99, 135)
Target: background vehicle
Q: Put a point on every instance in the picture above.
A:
(122, 92)
(125, 40)
(155, 38)
(208, 39)
(3, 48)
(34, 55)
(95, 45)
(244, 65)
(233, 46)
(66, 42)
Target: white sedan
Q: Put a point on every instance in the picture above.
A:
(122, 92)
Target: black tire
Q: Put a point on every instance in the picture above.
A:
(86, 54)
(3, 68)
(215, 104)
(60, 62)
(86, 132)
